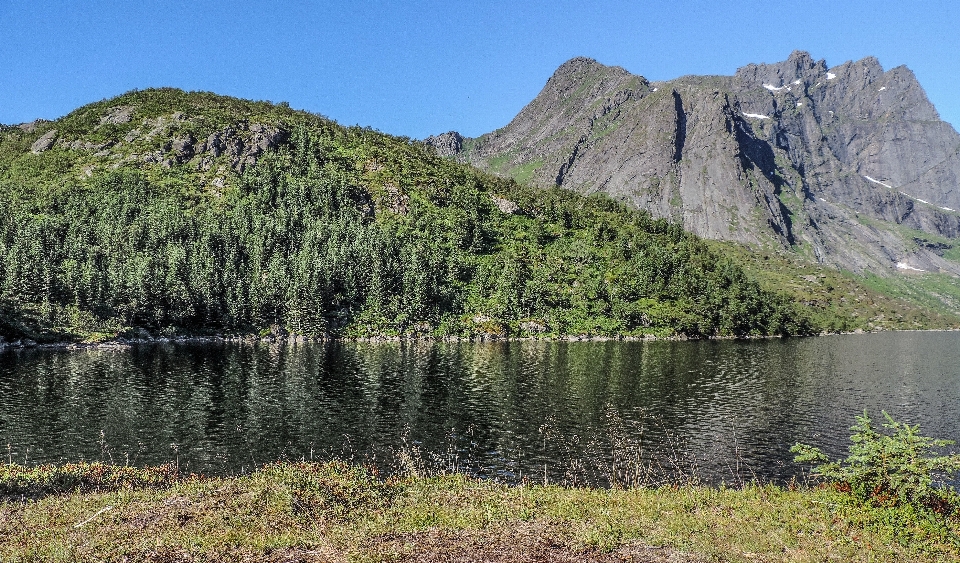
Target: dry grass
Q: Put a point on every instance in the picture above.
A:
(335, 512)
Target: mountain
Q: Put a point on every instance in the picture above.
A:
(163, 212)
(848, 166)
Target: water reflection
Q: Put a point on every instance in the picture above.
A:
(577, 412)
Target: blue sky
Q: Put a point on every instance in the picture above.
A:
(416, 68)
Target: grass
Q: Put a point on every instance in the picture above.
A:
(842, 301)
(933, 290)
(523, 173)
(338, 512)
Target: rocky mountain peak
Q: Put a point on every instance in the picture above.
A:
(859, 73)
(835, 163)
(799, 68)
(579, 71)
(862, 88)
(576, 67)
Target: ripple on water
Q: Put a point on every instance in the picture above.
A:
(588, 412)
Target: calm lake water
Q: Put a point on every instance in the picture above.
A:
(578, 412)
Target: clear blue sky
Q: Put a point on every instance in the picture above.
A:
(416, 68)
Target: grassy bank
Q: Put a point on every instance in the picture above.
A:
(336, 512)
(841, 301)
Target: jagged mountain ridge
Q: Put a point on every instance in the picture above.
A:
(849, 165)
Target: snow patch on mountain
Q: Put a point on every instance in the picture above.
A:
(878, 182)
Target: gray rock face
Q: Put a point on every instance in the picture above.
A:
(446, 144)
(44, 142)
(117, 115)
(31, 126)
(244, 147)
(505, 205)
(183, 147)
(844, 164)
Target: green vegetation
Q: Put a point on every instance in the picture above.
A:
(898, 468)
(934, 291)
(190, 213)
(22, 482)
(523, 173)
(841, 301)
(336, 512)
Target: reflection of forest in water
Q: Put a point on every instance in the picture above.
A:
(582, 412)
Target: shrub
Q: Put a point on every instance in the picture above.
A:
(898, 467)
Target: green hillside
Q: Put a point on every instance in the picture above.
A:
(172, 213)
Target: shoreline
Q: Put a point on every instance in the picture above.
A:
(292, 339)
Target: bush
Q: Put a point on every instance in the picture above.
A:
(899, 467)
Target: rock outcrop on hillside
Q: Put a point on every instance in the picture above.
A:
(446, 144)
(849, 165)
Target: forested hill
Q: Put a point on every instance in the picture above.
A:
(163, 212)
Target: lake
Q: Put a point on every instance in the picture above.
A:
(596, 413)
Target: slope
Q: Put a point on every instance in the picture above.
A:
(162, 212)
(847, 166)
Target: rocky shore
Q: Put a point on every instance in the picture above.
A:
(294, 339)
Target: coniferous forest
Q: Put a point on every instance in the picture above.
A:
(169, 213)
